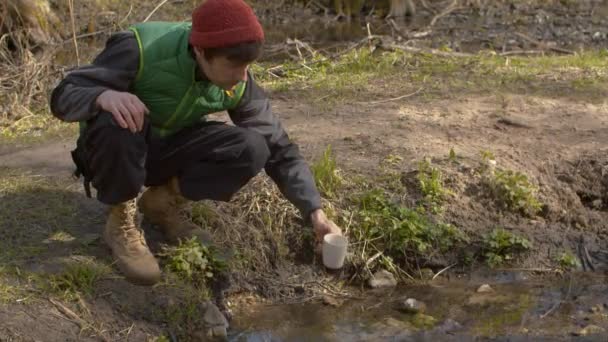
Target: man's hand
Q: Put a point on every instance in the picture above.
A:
(322, 225)
(127, 109)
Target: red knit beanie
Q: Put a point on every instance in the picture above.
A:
(222, 23)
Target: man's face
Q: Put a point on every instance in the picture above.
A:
(221, 71)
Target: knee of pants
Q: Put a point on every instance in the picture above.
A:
(256, 150)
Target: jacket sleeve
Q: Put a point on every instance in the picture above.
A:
(74, 98)
(286, 166)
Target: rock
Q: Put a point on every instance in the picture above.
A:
(590, 330)
(426, 274)
(485, 288)
(411, 306)
(448, 326)
(215, 323)
(332, 301)
(382, 279)
(597, 204)
(596, 309)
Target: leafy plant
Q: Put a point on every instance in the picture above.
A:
(514, 191)
(431, 185)
(503, 246)
(397, 230)
(326, 173)
(192, 261)
(567, 261)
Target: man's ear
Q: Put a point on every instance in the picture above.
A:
(199, 52)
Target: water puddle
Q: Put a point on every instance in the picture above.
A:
(572, 307)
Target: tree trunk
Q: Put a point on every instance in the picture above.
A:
(400, 8)
(34, 18)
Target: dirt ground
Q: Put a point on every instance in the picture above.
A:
(559, 142)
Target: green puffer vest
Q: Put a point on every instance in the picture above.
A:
(166, 81)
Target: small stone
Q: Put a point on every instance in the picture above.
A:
(382, 278)
(485, 288)
(332, 301)
(448, 326)
(216, 324)
(411, 306)
(427, 274)
(597, 204)
(596, 309)
(591, 330)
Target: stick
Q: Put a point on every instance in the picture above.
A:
(71, 7)
(443, 270)
(155, 9)
(554, 307)
(542, 45)
(393, 99)
(451, 8)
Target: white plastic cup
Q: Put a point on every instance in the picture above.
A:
(334, 250)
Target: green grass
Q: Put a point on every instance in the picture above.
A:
(35, 128)
(361, 74)
(400, 232)
(326, 173)
(501, 246)
(430, 179)
(515, 192)
(78, 277)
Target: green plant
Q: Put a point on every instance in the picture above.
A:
(567, 261)
(399, 231)
(502, 246)
(192, 261)
(431, 185)
(514, 191)
(452, 156)
(78, 277)
(326, 173)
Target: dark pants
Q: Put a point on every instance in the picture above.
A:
(211, 160)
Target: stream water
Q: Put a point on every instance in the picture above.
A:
(520, 308)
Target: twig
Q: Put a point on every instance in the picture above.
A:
(393, 99)
(155, 9)
(539, 270)
(522, 52)
(451, 8)
(554, 307)
(71, 8)
(76, 319)
(543, 45)
(374, 257)
(443, 270)
(404, 35)
(429, 51)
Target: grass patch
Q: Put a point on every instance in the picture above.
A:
(379, 75)
(326, 174)
(430, 180)
(502, 246)
(32, 210)
(78, 278)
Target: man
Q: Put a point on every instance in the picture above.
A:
(142, 106)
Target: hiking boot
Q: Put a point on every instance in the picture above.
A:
(129, 248)
(165, 207)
